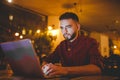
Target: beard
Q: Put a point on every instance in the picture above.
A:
(69, 37)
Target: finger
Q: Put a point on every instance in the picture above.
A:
(44, 66)
(48, 72)
(50, 65)
(53, 73)
(45, 69)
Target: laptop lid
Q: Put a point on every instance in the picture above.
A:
(22, 58)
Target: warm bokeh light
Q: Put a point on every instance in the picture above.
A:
(54, 32)
(21, 37)
(10, 17)
(116, 21)
(38, 31)
(50, 28)
(17, 34)
(23, 31)
(10, 1)
(114, 46)
(30, 31)
(115, 66)
(32, 41)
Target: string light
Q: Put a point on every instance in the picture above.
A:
(23, 31)
(38, 31)
(21, 36)
(49, 28)
(10, 17)
(17, 34)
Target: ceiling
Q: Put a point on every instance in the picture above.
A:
(95, 15)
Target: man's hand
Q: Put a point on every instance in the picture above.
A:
(52, 70)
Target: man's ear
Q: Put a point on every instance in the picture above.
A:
(78, 24)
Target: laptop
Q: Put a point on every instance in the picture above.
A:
(22, 58)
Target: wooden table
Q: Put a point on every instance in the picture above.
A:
(5, 75)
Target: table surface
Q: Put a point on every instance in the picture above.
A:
(7, 76)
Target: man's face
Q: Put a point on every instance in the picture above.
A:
(69, 28)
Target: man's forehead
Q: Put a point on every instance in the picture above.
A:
(65, 24)
(66, 21)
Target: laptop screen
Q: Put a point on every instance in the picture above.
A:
(22, 57)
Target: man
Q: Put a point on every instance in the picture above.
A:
(78, 55)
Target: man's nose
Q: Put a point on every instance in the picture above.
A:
(65, 30)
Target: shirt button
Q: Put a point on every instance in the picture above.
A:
(69, 49)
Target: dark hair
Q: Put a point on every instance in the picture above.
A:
(69, 15)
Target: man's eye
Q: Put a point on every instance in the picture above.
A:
(68, 26)
(61, 27)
